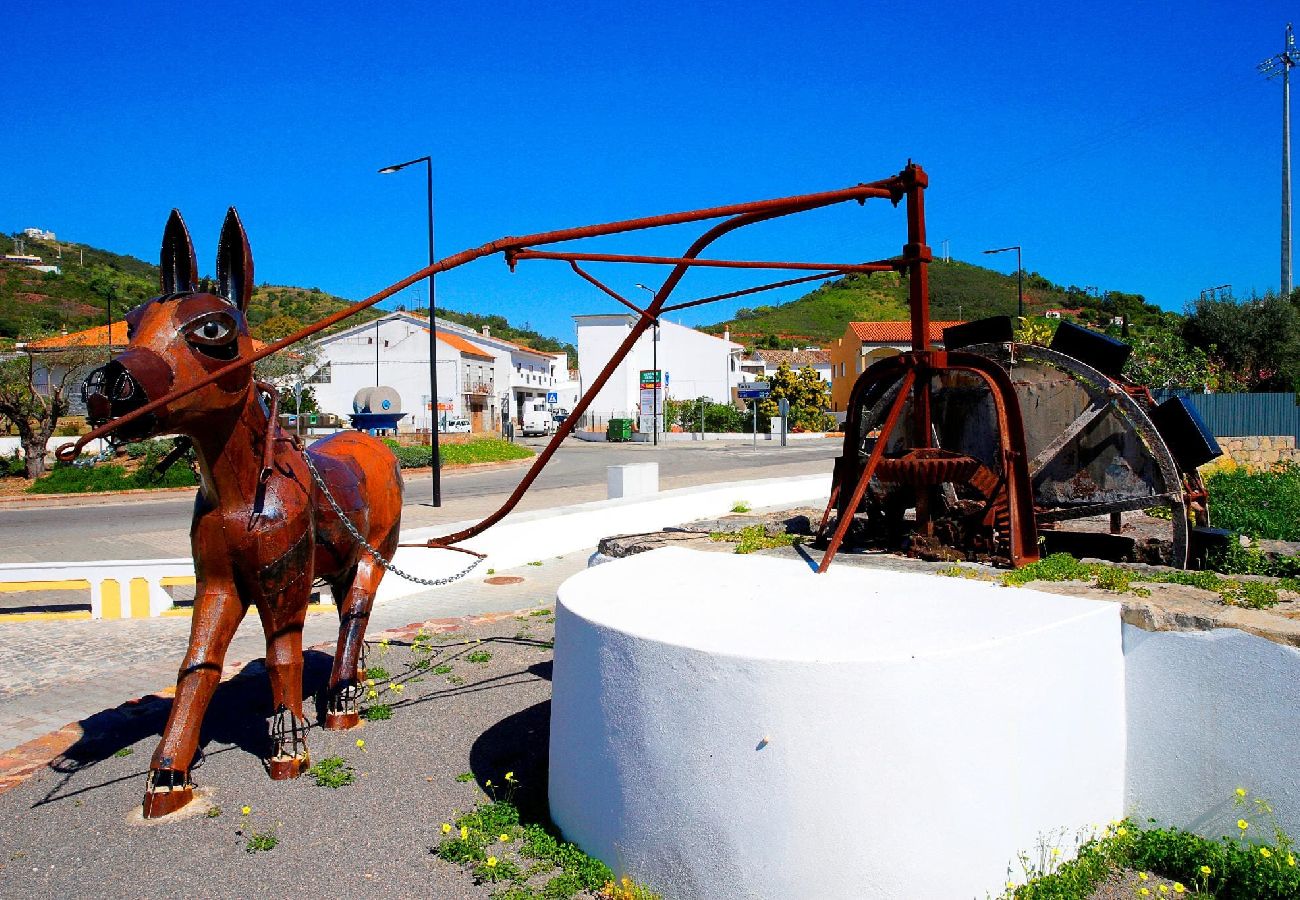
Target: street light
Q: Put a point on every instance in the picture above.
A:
(1020, 281)
(654, 364)
(433, 331)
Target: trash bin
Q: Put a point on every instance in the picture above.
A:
(619, 430)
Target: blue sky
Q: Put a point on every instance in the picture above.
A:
(1128, 146)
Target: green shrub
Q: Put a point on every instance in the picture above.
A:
(13, 466)
(1259, 504)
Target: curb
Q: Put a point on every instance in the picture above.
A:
(25, 760)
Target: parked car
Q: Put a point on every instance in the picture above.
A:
(559, 416)
(456, 426)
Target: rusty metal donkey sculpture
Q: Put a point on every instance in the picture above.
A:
(264, 525)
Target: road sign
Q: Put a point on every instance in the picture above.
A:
(754, 390)
(552, 396)
(650, 378)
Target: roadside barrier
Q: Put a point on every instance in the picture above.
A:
(119, 589)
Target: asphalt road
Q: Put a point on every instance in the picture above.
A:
(136, 528)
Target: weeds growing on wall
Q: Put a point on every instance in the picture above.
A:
(1064, 567)
(1257, 863)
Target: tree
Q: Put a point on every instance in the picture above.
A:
(291, 372)
(1161, 359)
(33, 395)
(1254, 342)
(808, 394)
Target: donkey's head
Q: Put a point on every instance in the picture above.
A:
(177, 338)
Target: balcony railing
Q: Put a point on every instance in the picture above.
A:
(478, 387)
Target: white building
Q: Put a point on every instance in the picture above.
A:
(394, 351)
(694, 364)
(38, 234)
(480, 377)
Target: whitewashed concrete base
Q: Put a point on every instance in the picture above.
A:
(1210, 712)
(736, 727)
(632, 480)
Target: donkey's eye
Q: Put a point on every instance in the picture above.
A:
(214, 334)
(214, 331)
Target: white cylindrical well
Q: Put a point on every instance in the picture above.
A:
(727, 726)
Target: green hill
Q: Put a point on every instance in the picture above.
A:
(958, 290)
(34, 304)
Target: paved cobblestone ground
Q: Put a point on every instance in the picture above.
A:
(53, 673)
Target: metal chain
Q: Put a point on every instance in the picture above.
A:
(352, 529)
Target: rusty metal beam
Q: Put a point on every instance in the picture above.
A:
(882, 266)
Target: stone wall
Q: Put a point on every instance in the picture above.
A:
(1260, 451)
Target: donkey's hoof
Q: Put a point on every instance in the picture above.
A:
(166, 792)
(283, 768)
(341, 721)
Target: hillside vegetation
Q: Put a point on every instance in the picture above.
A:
(34, 304)
(958, 290)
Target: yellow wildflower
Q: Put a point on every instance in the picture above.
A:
(488, 783)
(1265, 852)
(510, 776)
(361, 745)
(1178, 888)
(1144, 892)
(1205, 870)
(504, 838)
(1164, 889)
(1056, 851)
(491, 862)
(372, 694)
(1143, 876)
(1121, 831)
(370, 682)
(464, 832)
(446, 828)
(397, 688)
(1243, 824)
(1290, 859)
(246, 810)
(1241, 792)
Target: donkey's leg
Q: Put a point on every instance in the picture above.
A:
(218, 611)
(282, 620)
(356, 596)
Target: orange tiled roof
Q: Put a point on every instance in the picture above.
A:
(457, 342)
(95, 337)
(894, 332)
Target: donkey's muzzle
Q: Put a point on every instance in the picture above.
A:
(124, 385)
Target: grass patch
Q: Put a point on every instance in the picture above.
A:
(125, 751)
(262, 842)
(740, 506)
(479, 450)
(482, 657)
(494, 846)
(332, 772)
(755, 537)
(377, 712)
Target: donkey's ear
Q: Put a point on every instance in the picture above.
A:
(177, 260)
(234, 262)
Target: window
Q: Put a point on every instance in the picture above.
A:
(323, 375)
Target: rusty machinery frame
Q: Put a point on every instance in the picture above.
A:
(916, 366)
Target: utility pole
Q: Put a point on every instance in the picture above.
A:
(1272, 67)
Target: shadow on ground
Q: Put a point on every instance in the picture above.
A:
(236, 720)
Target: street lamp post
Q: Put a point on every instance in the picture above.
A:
(1020, 280)
(433, 331)
(654, 364)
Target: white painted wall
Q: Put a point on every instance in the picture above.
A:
(1210, 712)
(860, 734)
(696, 364)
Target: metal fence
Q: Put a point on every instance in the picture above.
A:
(1244, 415)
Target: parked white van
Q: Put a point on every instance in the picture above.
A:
(455, 426)
(537, 419)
